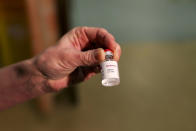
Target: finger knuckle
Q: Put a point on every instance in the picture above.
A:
(80, 28)
(76, 28)
(103, 30)
(86, 58)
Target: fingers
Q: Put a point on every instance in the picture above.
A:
(83, 73)
(102, 37)
(117, 53)
(84, 36)
(89, 76)
(91, 57)
(91, 71)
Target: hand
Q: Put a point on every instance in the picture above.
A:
(76, 56)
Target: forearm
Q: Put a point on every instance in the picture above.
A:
(20, 82)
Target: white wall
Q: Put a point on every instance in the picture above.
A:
(139, 20)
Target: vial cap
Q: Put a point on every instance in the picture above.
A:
(108, 52)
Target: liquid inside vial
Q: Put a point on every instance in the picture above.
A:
(110, 81)
(110, 73)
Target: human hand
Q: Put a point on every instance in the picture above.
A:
(76, 56)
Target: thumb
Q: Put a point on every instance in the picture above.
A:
(92, 57)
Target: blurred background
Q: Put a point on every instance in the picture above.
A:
(157, 67)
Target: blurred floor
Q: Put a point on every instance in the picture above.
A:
(157, 93)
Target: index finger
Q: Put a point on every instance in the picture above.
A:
(102, 37)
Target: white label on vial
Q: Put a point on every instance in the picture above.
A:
(109, 69)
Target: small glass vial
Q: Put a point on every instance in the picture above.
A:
(109, 70)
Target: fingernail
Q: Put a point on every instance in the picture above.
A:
(99, 54)
(116, 56)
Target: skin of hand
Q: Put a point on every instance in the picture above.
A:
(73, 59)
(76, 56)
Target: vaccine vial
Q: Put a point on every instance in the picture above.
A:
(109, 70)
